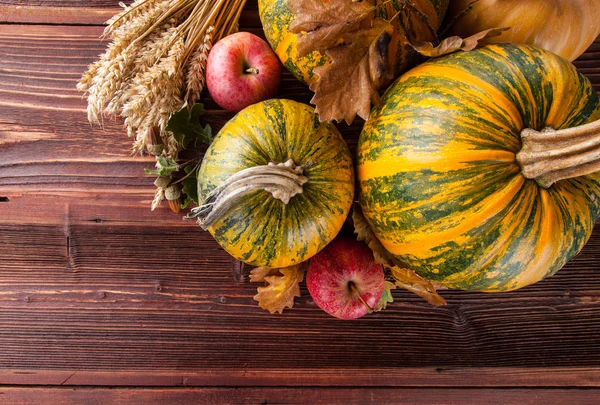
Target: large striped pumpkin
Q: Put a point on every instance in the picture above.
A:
(276, 18)
(262, 230)
(439, 183)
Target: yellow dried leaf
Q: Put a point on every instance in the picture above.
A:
(456, 43)
(280, 288)
(258, 274)
(411, 281)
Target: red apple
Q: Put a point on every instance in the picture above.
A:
(344, 280)
(241, 70)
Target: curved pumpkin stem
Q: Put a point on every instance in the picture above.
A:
(549, 155)
(282, 180)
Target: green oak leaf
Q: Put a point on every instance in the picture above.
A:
(185, 126)
(166, 167)
(190, 186)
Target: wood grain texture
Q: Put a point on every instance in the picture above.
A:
(91, 12)
(95, 288)
(468, 377)
(326, 396)
(55, 15)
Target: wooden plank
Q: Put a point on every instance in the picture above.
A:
(56, 15)
(346, 396)
(95, 12)
(64, 3)
(302, 377)
(91, 281)
(108, 286)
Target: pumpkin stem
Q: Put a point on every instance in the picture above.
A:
(282, 180)
(549, 155)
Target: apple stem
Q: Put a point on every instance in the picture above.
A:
(355, 292)
(252, 70)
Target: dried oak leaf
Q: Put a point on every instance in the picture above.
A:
(386, 297)
(321, 24)
(411, 281)
(403, 277)
(456, 43)
(280, 288)
(346, 85)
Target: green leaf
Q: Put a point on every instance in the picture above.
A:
(185, 126)
(190, 186)
(166, 167)
(386, 297)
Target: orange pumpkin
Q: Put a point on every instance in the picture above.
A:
(565, 27)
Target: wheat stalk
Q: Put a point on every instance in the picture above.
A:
(196, 79)
(155, 62)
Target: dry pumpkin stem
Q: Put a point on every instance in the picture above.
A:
(282, 180)
(550, 155)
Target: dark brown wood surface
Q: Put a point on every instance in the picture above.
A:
(96, 290)
(325, 396)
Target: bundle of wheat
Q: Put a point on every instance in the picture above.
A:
(155, 64)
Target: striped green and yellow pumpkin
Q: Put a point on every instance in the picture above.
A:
(439, 182)
(276, 18)
(262, 230)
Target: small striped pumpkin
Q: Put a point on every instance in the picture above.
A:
(262, 230)
(439, 183)
(276, 18)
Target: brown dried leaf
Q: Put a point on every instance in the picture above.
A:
(456, 43)
(281, 286)
(321, 24)
(346, 85)
(411, 281)
(386, 297)
(258, 274)
(404, 277)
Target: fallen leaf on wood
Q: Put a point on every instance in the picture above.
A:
(258, 274)
(345, 86)
(280, 288)
(456, 43)
(320, 25)
(403, 277)
(411, 281)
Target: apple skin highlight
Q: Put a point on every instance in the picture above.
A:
(241, 70)
(344, 280)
